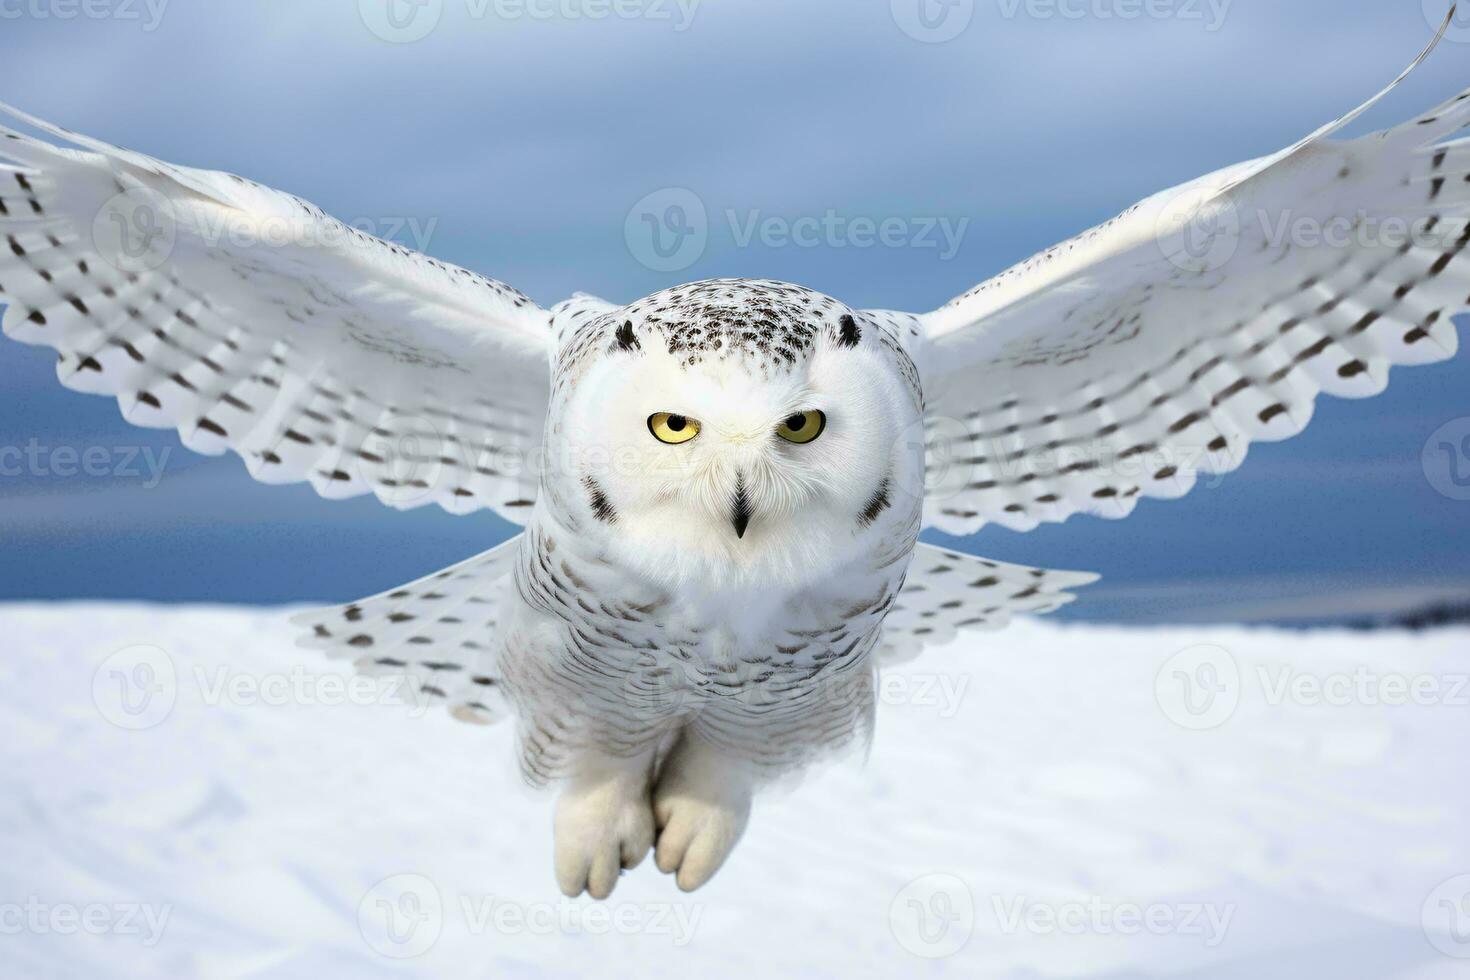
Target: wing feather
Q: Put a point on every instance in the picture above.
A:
(252, 322)
(1158, 346)
(946, 592)
(436, 636)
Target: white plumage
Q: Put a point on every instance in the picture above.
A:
(722, 484)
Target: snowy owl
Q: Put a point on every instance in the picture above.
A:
(722, 485)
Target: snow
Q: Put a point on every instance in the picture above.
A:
(1047, 801)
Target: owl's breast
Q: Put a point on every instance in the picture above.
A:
(719, 639)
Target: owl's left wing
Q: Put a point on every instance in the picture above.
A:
(1158, 346)
(249, 320)
(946, 592)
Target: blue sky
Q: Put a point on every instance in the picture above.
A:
(516, 137)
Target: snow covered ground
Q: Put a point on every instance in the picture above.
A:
(183, 793)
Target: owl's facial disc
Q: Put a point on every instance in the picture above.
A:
(799, 429)
(736, 436)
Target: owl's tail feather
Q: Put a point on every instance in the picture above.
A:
(437, 634)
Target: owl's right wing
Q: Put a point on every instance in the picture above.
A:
(249, 320)
(1158, 346)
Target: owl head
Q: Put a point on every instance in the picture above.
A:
(738, 432)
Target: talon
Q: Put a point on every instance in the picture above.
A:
(702, 806)
(603, 827)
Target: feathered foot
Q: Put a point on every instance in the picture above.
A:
(603, 824)
(701, 805)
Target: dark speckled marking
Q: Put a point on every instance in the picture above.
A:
(772, 323)
(602, 508)
(880, 502)
(626, 338)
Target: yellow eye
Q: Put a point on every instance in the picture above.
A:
(803, 427)
(672, 429)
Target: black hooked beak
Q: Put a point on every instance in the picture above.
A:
(741, 517)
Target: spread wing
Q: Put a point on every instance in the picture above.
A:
(946, 592)
(249, 320)
(434, 637)
(1158, 346)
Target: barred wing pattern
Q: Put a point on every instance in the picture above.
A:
(249, 320)
(435, 636)
(946, 592)
(1158, 346)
